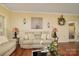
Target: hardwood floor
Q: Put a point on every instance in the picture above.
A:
(65, 49)
(22, 52)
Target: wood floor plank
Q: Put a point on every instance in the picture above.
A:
(19, 52)
(26, 52)
(64, 48)
(22, 52)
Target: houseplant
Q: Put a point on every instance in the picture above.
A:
(53, 48)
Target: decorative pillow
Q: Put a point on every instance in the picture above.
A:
(37, 35)
(26, 36)
(31, 36)
(3, 39)
(49, 36)
(43, 36)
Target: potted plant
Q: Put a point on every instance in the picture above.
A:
(53, 48)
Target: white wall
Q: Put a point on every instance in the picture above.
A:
(17, 21)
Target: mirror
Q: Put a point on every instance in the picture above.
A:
(71, 30)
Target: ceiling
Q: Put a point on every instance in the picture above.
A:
(44, 7)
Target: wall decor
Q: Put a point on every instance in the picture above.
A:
(36, 23)
(71, 30)
(2, 25)
(24, 20)
(48, 25)
(61, 20)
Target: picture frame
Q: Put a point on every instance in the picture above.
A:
(36, 22)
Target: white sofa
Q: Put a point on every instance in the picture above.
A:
(34, 43)
(6, 46)
(35, 40)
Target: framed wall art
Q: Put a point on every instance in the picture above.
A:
(36, 22)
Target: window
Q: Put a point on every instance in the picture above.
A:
(1, 25)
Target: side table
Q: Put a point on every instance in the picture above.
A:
(17, 42)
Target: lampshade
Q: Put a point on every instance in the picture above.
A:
(55, 30)
(15, 29)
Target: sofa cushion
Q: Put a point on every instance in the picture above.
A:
(49, 36)
(44, 36)
(3, 39)
(31, 36)
(27, 42)
(26, 36)
(37, 35)
(36, 41)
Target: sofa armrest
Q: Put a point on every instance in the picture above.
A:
(21, 40)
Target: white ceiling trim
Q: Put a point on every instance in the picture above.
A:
(15, 11)
(45, 12)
